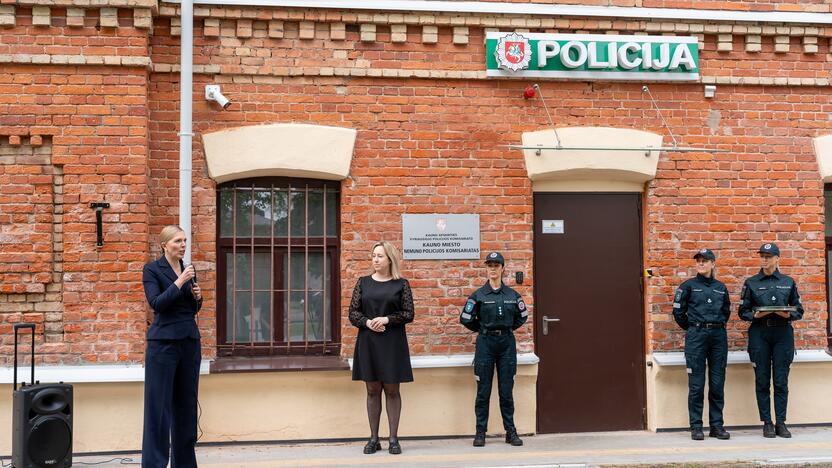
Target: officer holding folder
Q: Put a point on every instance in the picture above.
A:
(770, 301)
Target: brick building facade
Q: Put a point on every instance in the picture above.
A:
(89, 113)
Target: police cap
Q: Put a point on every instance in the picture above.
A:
(495, 257)
(770, 248)
(707, 254)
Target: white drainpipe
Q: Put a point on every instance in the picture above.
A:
(186, 87)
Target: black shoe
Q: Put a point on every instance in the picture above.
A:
(513, 439)
(720, 433)
(696, 433)
(781, 430)
(768, 430)
(373, 445)
(395, 448)
(479, 439)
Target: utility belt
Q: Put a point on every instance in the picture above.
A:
(496, 332)
(709, 325)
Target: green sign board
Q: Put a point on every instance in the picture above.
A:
(592, 56)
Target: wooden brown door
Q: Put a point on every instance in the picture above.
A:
(588, 288)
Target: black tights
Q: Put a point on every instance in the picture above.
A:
(393, 401)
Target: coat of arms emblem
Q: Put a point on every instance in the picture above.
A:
(513, 52)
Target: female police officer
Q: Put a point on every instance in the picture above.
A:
(702, 307)
(495, 311)
(771, 337)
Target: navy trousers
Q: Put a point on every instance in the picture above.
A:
(771, 350)
(706, 346)
(170, 403)
(491, 351)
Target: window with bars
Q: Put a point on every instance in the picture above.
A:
(277, 267)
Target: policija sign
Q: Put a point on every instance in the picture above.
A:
(592, 56)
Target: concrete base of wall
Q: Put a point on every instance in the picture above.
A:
(289, 406)
(667, 395)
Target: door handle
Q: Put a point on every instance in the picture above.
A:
(546, 321)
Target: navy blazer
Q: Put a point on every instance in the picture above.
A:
(174, 309)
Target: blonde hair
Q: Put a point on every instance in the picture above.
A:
(393, 256)
(168, 233)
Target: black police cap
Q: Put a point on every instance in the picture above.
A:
(770, 248)
(707, 254)
(496, 257)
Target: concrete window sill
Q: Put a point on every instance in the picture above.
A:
(677, 358)
(90, 373)
(227, 365)
(459, 360)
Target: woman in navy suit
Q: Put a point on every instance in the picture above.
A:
(172, 358)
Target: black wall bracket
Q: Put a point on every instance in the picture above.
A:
(99, 228)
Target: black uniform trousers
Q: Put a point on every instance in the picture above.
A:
(170, 403)
(491, 350)
(771, 349)
(706, 346)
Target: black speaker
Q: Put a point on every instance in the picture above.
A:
(41, 420)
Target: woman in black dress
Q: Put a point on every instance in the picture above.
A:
(381, 305)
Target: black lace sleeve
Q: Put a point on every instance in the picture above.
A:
(405, 315)
(356, 315)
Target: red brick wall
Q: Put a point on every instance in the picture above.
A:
(403, 163)
(26, 214)
(434, 146)
(87, 301)
(424, 146)
(163, 186)
(446, 157)
(766, 188)
(819, 6)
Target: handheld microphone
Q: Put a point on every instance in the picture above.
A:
(194, 277)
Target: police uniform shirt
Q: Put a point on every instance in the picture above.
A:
(490, 309)
(701, 300)
(775, 289)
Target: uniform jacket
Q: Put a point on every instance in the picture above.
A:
(776, 289)
(174, 309)
(487, 309)
(701, 300)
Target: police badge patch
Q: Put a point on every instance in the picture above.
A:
(469, 306)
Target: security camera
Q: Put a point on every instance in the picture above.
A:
(212, 93)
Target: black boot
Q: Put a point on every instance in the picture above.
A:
(372, 446)
(768, 430)
(696, 433)
(479, 439)
(513, 439)
(781, 430)
(719, 432)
